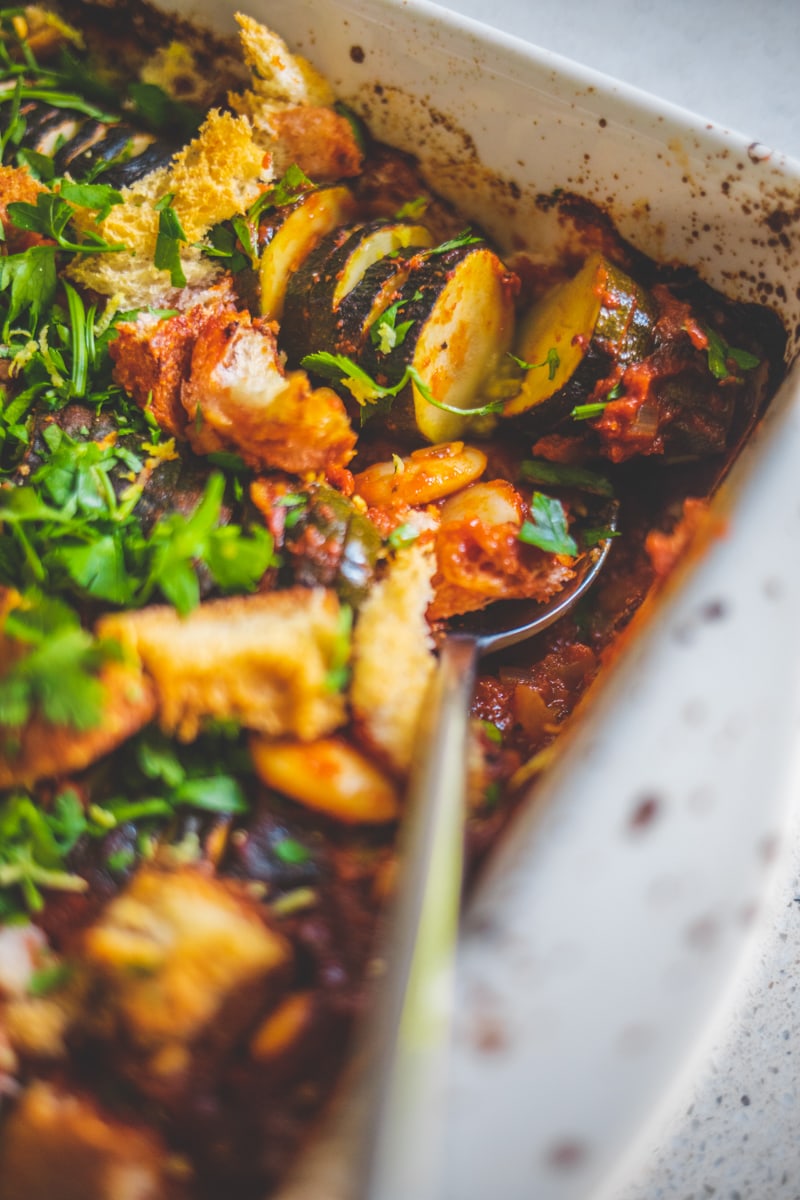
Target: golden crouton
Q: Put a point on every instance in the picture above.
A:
(216, 176)
(320, 141)
(181, 965)
(238, 397)
(393, 656)
(261, 660)
(60, 1146)
(279, 75)
(152, 357)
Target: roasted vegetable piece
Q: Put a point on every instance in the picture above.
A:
(79, 144)
(457, 308)
(330, 776)
(262, 661)
(292, 237)
(575, 336)
(480, 557)
(180, 964)
(425, 476)
(313, 319)
(60, 1143)
(332, 544)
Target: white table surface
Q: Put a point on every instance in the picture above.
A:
(734, 1133)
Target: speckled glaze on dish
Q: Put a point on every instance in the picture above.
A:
(603, 942)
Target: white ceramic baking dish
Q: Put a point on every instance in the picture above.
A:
(604, 940)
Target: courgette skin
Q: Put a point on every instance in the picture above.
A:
(458, 306)
(588, 329)
(88, 142)
(291, 234)
(326, 307)
(332, 544)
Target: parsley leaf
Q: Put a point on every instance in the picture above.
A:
(289, 188)
(170, 237)
(367, 391)
(541, 470)
(547, 527)
(55, 666)
(385, 331)
(720, 356)
(551, 361)
(31, 279)
(33, 847)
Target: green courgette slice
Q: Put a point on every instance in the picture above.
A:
(457, 308)
(298, 234)
(578, 333)
(313, 319)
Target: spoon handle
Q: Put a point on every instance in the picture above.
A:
(403, 1136)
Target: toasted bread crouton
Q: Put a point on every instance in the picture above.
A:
(261, 660)
(279, 75)
(393, 657)
(59, 1144)
(238, 397)
(152, 357)
(321, 141)
(181, 963)
(45, 751)
(480, 557)
(216, 176)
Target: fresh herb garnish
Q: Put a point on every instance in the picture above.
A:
(541, 470)
(338, 675)
(54, 668)
(385, 332)
(69, 531)
(291, 852)
(50, 216)
(368, 392)
(593, 537)
(587, 412)
(34, 844)
(403, 535)
(289, 188)
(547, 527)
(720, 357)
(551, 361)
(170, 238)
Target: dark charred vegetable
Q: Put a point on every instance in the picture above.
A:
(293, 234)
(83, 146)
(317, 315)
(586, 330)
(452, 325)
(331, 544)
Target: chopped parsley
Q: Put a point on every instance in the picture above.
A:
(54, 668)
(541, 470)
(547, 527)
(386, 332)
(170, 238)
(551, 361)
(720, 357)
(291, 852)
(587, 412)
(373, 396)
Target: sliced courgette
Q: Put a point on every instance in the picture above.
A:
(457, 313)
(576, 334)
(294, 236)
(315, 296)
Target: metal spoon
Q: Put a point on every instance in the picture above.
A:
(401, 1134)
